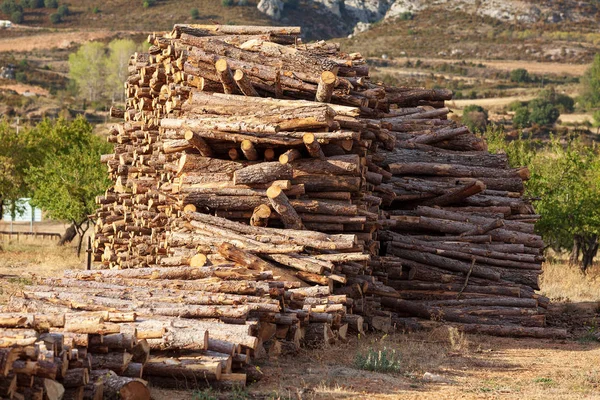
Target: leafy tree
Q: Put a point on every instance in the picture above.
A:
(51, 3)
(116, 66)
(564, 104)
(590, 84)
(543, 112)
(63, 10)
(522, 118)
(70, 175)
(195, 13)
(55, 18)
(86, 68)
(520, 75)
(566, 180)
(13, 164)
(32, 3)
(10, 7)
(227, 3)
(17, 17)
(475, 118)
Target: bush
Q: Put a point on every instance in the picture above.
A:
(522, 118)
(227, 3)
(148, 3)
(381, 361)
(242, 3)
(51, 3)
(17, 17)
(515, 105)
(564, 103)
(475, 118)
(36, 3)
(195, 13)
(520, 75)
(9, 7)
(406, 16)
(63, 10)
(95, 10)
(20, 77)
(543, 112)
(597, 118)
(55, 18)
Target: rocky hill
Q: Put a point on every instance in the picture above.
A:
(345, 17)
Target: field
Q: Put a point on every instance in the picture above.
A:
(441, 364)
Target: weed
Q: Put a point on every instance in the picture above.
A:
(545, 381)
(380, 361)
(206, 394)
(458, 340)
(592, 334)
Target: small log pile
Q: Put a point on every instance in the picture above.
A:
(267, 194)
(70, 356)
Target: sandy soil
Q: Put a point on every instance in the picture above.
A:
(21, 88)
(52, 40)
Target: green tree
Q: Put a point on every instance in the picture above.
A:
(565, 178)
(63, 10)
(567, 181)
(55, 18)
(116, 66)
(51, 3)
(475, 118)
(520, 75)
(17, 17)
(13, 164)
(565, 104)
(522, 118)
(70, 174)
(195, 13)
(590, 84)
(86, 68)
(543, 112)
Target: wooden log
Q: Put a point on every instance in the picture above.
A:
(262, 173)
(249, 150)
(116, 361)
(119, 387)
(312, 145)
(290, 156)
(198, 143)
(325, 88)
(282, 206)
(225, 76)
(420, 168)
(260, 216)
(244, 84)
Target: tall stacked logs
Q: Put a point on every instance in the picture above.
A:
(268, 194)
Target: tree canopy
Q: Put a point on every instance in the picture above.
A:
(590, 84)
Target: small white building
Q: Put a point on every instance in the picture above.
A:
(25, 212)
(5, 23)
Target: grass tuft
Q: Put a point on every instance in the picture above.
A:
(384, 360)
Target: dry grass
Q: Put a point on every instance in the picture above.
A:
(562, 282)
(22, 262)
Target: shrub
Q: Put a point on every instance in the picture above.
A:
(20, 77)
(148, 3)
(522, 118)
(55, 18)
(9, 7)
(17, 17)
(36, 3)
(515, 105)
(564, 103)
(543, 112)
(63, 10)
(406, 16)
(195, 13)
(597, 118)
(95, 10)
(51, 3)
(227, 3)
(520, 75)
(242, 3)
(381, 361)
(475, 118)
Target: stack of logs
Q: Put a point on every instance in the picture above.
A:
(269, 188)
(70, 356)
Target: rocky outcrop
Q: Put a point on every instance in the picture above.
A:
(353, 16)
(272, 8)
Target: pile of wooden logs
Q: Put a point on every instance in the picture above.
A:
(70, 356)
(268, 194)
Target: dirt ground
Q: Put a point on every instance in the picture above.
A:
(441, 364)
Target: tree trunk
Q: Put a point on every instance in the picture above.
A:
(574, 257)
(589, 251)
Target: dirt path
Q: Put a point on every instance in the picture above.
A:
(531, 66)
(482, 367)
(52, 40)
